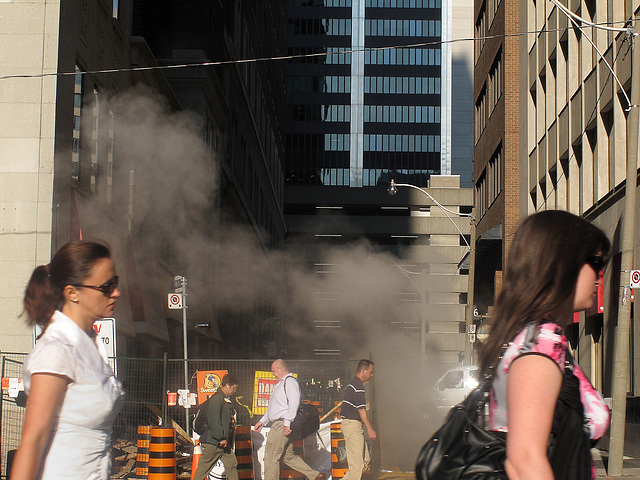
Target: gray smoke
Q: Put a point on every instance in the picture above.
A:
(175, 191)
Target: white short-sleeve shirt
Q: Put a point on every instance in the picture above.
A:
(80, 439)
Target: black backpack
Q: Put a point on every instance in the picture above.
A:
(200, 421)
(307, 421)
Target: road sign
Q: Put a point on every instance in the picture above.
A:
(634, 279)
(106, 333)
(178, 284)
(175, 301)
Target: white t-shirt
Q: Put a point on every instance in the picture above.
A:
(81, 435)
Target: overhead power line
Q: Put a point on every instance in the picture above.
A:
(291, 57)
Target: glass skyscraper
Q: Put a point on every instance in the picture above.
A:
(364, 92)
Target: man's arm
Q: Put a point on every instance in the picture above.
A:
(365, 420)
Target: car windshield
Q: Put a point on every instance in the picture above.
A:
(453, 379)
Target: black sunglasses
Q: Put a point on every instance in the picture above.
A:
(106, 288)
(596, 262)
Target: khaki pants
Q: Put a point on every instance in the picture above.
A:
(357, 453)
(277, 445)
(210, 455)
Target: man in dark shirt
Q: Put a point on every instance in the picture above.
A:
(355, 419)
(215, 441)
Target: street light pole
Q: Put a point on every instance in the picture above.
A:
(392, 190)
(184, 345)
(623, 330)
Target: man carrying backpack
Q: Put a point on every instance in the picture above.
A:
(216, 439)
(281, 411)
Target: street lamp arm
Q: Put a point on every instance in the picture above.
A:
(406, 274)
(392, 191)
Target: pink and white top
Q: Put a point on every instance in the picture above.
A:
(550, 342)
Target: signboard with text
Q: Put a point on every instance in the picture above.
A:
(105, 329)
(264, 383)
(208, 383)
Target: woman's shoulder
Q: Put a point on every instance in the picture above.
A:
(546, 339)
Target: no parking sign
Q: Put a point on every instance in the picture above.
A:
(175, 301)
(634, 279)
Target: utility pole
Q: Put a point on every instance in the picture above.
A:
(621, 345)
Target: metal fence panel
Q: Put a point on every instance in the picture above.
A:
(11, 414)
(322, 381)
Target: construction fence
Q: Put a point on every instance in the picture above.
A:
(147, 381)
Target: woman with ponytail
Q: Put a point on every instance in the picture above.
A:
(73, 395)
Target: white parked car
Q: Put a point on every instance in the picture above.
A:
(454, 385)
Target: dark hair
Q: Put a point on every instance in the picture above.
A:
(547, 253)
(229, 379)
(363, 364)
(70, 265)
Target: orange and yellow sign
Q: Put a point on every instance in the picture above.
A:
(208, 383)
(263, 385)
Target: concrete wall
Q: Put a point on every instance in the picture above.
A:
(29, 39)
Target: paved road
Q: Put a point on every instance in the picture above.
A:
(630, 466)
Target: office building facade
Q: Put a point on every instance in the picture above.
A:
(369, 99)
(575, 87)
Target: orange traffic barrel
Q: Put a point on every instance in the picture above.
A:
(142, 453)
(162, 454)
(286, 472)
(244, 452)
(339, 466)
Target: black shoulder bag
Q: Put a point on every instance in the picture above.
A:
(307, 421)
(463, 450)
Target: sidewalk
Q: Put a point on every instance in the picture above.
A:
(630, 465)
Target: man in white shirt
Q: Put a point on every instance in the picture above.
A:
(281, 411)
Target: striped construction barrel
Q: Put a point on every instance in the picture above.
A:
(162, 454)
(339, 466)
(285, 471)
(244, 452)
(142, 453)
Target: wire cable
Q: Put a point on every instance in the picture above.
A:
(577, 17)
(571, 16)
(282, 57)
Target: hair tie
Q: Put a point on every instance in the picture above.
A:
(46, 268)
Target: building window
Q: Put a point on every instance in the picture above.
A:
(481, 30)
(110, 155)
(402, 143)
(495, 176)
(402, 114)
(495, 81)
(95, 141)
(489, 185)
(403, 56)
(402, 28)
(481, 113)
(77, 121)
(403, 85)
